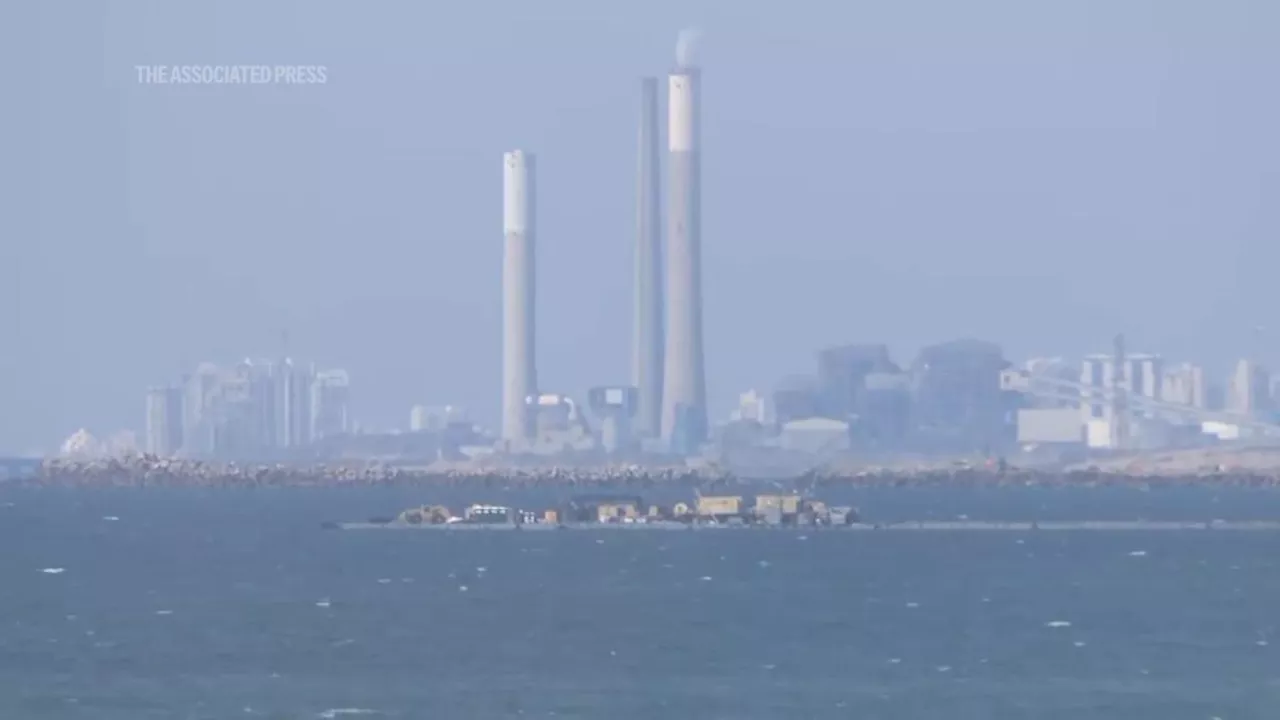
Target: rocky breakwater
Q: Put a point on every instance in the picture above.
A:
(1012, 477)
(150, 471)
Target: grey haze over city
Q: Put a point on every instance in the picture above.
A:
(1040, 175)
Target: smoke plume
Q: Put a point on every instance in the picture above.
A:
(687, 46)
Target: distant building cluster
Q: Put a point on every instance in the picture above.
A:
(948, 399)
(960, 396)
(1138, 401)
(965, 397)
(253, 409)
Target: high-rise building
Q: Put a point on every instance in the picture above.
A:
(293, 415)
(418, 418)
(235, 416)
(243, 410)
(519, 370)
(647, 347)
(263, 378)
(250, 410)
(1249, 390)
(201, 391)
(330, 404)
(684, 403)
(164, 421)
(155, 440)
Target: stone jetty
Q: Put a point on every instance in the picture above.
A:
(150, 471)
(1012, 477)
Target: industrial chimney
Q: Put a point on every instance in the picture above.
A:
(684, 406)
(519, 373)
(646, 361)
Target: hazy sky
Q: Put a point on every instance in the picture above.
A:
(1040, 174)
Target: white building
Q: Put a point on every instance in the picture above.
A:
(330, 404)
(418, 418)
(164, 421)
(423, 418)
(293, 384)
(1052, 426)
(201, 391)
(1249, 389)
(751, 406)
(1144, 376)
(815, 435)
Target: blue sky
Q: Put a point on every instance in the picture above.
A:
(1042, 175)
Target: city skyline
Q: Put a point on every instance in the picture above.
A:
(251, 408)
(992, 176)
(281, 408)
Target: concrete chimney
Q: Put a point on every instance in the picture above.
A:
(519, 370)
(684, 404)
(647, 349)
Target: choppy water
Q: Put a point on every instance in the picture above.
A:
(199, 604)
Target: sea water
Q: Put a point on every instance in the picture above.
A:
(217, 604)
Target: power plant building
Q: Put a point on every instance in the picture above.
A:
(1143, 376)
(647, 343)
(1185, 384)
(684, 406)
(957, 400)
(519, 373)
(795, 398)
(842, 372)
(614, 408)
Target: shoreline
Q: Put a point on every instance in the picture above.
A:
(153, 472)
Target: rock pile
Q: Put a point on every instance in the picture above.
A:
(151, 471)
(1009, 477)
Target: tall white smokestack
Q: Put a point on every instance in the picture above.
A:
(519, 371)
(646, 362)
(684, 403)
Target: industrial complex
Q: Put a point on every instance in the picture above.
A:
(668, 399)
(956, 398)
